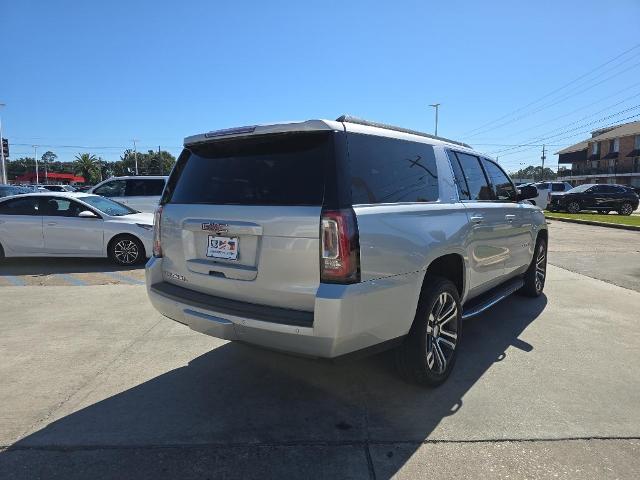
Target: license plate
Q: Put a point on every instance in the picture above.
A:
(222, 247)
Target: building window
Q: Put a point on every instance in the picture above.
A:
(594, 148)
(614, 145)
(637, 143)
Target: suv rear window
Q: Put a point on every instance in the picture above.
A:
(283, 169)
(388, 170)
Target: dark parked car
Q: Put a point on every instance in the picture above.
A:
(8, 190)
(600, 197)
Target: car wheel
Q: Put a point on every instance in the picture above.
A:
(1, 252)
(605, 212)
(429, 351)
(126, 250)
(573, 207)
(536, 274)
(626, 209)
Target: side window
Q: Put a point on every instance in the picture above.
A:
(461, 183)
(557, 187)
(20, 206)
(60, 207)
(386, 170)
(502, 186)
(595, 189)
(478, 186)
(144, 187)
(114, 188)
(155, 187)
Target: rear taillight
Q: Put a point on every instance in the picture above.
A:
(157, 220)
(340, 247)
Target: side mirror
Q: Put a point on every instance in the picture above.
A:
(526, 192)
(87, 214)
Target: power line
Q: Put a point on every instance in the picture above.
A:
(557, 89)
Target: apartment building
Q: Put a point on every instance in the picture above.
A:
(611, 155)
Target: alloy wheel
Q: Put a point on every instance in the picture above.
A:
(541, 267)
(442, 332)
(573, 207)
(126, 251)
(626, 209)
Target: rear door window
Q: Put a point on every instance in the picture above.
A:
(144, 187)
(557, 187)
(282, 169)
(388, 170)
(20, 206)
(476, 182)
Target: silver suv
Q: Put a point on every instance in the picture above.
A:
(326, 238)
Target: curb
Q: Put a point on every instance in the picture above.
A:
(619, 226)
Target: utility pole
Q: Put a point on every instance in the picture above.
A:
(436, 105)
(544, 157)
(135, 154)
(160, 161)
(35, 157)
(3, 166)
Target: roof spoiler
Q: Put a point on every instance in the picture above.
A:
(360, 121)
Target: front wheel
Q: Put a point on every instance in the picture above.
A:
(626, 209)
(536, 274)
(573, 207)
(126, 250)
(429, 351)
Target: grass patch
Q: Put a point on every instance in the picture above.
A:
(597, 217)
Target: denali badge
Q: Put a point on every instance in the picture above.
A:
(216, 227)
(174, 276)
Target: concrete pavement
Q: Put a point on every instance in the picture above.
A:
(104, 387)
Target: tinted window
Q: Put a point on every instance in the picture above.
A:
(557, 187)
(597, 189)
(476, 181)
(20, 206)
(542, 186)
(114, 188)
(461, 183)
(144, 187)
(60, 207)
(284, 169)
(502, 187)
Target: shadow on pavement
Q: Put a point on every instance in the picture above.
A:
(241, 412)
(49, 266)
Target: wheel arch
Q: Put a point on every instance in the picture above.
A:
(450, 266)
(117, 236)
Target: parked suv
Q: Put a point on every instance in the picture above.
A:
(324, 238)
(141, 193)
(545, 190)
(603, 198)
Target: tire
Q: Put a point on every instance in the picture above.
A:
(573, 207)
(626, 209)
(605, 212)
(536, 274)
(1, 252)
(126, 250)
(429, 351)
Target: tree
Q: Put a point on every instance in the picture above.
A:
(535, 173)
(86, 164)
(47, 158)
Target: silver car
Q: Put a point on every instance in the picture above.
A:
(326, 238)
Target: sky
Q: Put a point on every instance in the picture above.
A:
(82, 76)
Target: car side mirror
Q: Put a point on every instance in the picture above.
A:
(87, 214)
(526, 192)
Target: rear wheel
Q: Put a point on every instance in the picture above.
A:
(126, 250)
(573, 207)
(429, 352)
(536, 274)
(626, 209)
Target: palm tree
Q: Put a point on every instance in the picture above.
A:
(87, 165)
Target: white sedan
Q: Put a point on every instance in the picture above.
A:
(66, 224)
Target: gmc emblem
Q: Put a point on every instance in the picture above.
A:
(216, 227)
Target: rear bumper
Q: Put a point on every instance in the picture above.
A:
(346, 318)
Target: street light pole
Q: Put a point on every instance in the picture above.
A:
(436, 105)
(3, 166)
(35, 157)
(135, 155)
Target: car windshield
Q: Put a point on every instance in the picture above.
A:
(580, 188)
(108, 206)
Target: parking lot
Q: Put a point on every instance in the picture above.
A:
(95, 383)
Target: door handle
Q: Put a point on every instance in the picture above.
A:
(509, 217)
(51, 224)
(477, 219)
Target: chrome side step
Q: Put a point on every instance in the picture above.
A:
(489, 299)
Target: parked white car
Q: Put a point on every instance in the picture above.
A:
(545, 189)
(141, 193)
(66, 224)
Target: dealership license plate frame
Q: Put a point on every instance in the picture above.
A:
(223, 248)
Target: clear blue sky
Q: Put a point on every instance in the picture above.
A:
(101, 73)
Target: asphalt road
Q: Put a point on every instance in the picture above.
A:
(95, 384)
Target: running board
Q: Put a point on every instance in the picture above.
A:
(489, 299)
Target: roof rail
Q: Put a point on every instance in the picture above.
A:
(360, 121)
